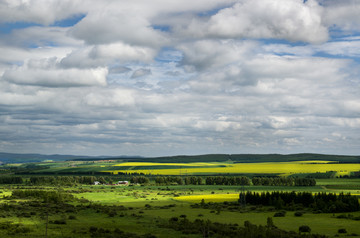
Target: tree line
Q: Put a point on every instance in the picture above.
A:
(11, 180)
(160, 180)
(46, 196)
(57, 180)
(283, 181)
(323, 202)
(198, 180)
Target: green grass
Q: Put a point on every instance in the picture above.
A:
(141, 220)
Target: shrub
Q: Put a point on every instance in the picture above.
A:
(298, 214)
(304, 228)
(92, 229)
(342, 230)
(58, 222)
(112, 213)
(174, 219)
(280, 214)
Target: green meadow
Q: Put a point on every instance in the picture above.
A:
(134, 209)
(59, 199)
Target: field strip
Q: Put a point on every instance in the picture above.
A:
(209, 198)
(225, 197)
(238, 168)
(150, 164)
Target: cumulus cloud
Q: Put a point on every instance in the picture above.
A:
(37, 36)
(293, 20)
(158, 77)
(113, 25)
(119, 69)
(342, 14)
(205, 54)
(102, 55)
(140, 73)
(38, 11)
(56, 77)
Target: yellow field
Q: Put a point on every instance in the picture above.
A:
(132, 164)
(220, 197)
(312, 162)
(284, 168)
(209, 198)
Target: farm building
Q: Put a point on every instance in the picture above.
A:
(122, 183)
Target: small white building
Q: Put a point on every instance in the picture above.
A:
(97, 183)
(122, 183)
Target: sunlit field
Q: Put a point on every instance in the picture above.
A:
(281, 168)
(209, 198)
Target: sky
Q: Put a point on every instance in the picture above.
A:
(179, 77)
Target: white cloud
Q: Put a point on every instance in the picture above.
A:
(342, 14)
(114, 24)
(52, 77)
(292, 20)
(347, 47)
(140, 72)
(103, 55)
(36, 37)
(37, 11)
(158, 77)
(205, 54)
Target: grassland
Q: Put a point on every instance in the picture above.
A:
(144, 205)
(140, 209)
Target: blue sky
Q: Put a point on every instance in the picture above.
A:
(179, 77)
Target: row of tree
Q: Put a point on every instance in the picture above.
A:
(168, 180)
(139, 179)
(11, 180)
(161, 180)
(283, 181)
(53, 180)
(64, 180)
(46, 196)
(227, 180)
(198, 180)
(235, 180)
(324, 202)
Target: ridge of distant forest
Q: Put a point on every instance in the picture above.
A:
(235, 158)
(247, 158)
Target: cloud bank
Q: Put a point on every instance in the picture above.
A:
(163, 78)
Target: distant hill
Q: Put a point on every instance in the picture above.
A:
(236, 158)
(26, 158)
(243, 158)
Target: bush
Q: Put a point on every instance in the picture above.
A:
(173, 219)
(58, 222)
(280, 214)
(298, 214)
(304, 228)
(342, 230)
(92, 229)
